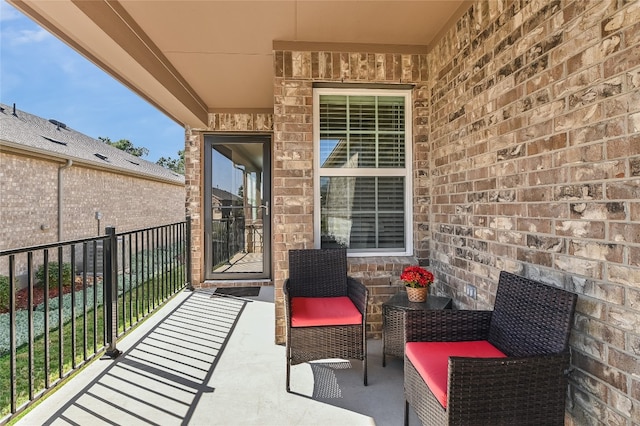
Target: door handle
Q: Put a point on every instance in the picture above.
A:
(265, 206)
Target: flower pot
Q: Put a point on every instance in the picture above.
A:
(417, 294)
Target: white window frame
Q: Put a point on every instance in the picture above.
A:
(407, 172)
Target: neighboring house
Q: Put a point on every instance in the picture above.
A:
(509, 141)
(57, 184)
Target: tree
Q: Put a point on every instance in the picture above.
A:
(126, 146)
(175, 164)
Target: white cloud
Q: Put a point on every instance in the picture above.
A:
(21, 37)
(18, 30)
(8, 12)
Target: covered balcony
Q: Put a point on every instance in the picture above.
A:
(510, 140)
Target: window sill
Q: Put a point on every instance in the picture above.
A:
(382, 260)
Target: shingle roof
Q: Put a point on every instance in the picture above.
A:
(52, 137)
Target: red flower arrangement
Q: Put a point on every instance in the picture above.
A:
(416, 277)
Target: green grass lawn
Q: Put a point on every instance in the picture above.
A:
(133, 305)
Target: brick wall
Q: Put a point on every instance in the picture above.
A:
(535, 154)
(194, 173)
(27, 206)
(29, 200)
(293, 192)
(194, 169)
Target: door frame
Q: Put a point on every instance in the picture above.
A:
(210, 139)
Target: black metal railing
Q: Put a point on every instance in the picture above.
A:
(227, 239)
(65, 303)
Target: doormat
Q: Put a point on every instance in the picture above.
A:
(238, 291)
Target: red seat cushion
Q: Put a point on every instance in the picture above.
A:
(431, 360)
(318, 311)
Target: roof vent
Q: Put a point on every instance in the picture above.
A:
(102, 157)
(58, 124)
(54, 140)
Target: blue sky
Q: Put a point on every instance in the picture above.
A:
(45, 77)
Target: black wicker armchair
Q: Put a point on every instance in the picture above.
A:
(325, 309)
(502, 367)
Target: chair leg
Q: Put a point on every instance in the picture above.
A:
(364, 359)
(406, 413)
(288, 351)
(364, 368)
(288, 374)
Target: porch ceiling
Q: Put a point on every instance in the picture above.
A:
(184, 57)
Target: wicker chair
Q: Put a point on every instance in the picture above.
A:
(316, 275)
(525, 385)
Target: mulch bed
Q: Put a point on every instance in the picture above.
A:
(39, 294)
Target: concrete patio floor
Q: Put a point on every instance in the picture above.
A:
(205, 359)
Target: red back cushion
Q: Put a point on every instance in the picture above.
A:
(431, 359)
(318, 311)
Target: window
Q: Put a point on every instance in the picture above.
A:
(363, 175)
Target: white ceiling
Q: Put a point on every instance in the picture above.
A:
(193, 57)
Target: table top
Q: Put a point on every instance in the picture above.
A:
(401, 301)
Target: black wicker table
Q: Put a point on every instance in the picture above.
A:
(393, 320)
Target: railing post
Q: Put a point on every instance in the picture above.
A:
(188, 249)
(111, 291)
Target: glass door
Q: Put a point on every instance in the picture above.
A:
(237, 207)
